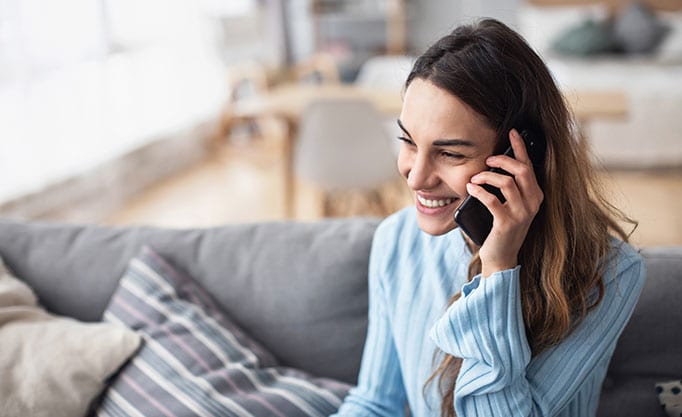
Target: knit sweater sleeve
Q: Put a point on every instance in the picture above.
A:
(380, 390)
(485, 328)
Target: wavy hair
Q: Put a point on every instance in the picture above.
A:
(493, 70)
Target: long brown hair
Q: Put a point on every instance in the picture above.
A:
(494, 71)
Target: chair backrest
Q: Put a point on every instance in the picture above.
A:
(385, 71)
(343, 144)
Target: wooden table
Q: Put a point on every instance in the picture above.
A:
(289, 101)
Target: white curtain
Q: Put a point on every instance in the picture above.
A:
(83, 81)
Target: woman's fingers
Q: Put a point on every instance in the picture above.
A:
(519, 147)
(520, 163)
(489, 200)
(505, 183)
(520, 197)
(520, 189)
(520, 168)
(515, 207)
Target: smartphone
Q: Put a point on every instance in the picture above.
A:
(472, 216)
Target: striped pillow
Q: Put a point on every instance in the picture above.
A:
(195, 361)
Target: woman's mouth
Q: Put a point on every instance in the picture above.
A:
(434, 206)
(434, 203)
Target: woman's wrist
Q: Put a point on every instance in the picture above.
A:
(487, 269)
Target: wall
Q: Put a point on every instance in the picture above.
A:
(431, 19)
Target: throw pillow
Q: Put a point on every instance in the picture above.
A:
(541, 25)
(195, 361)
(638, 30)
(670, 397)
(53, 366)
(587, 38)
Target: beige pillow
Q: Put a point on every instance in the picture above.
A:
(53, 366)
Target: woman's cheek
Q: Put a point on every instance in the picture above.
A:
(465, 177)
(459, 180)
(404, 164)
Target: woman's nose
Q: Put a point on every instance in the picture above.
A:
(421, 175)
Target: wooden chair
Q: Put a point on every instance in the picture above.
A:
(342, 158)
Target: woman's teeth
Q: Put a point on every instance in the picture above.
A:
(434, 203)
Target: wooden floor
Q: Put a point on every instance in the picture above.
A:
(243, 183)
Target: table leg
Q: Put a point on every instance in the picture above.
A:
(289, 183)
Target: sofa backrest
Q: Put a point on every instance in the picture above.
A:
(298, 288)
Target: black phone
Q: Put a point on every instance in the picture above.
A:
(472, 216)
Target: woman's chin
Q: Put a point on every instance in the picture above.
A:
(436, 220)
(435, 226)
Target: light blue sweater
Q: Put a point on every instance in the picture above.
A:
(412, 276)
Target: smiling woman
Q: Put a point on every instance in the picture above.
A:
(525, 324)
(446, 134)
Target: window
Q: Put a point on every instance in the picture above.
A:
(83, 81)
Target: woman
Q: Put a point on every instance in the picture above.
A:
(525, 324)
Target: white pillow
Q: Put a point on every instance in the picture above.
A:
(53, 366)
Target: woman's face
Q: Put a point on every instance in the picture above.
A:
(445, 143)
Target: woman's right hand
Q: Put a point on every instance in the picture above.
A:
(512, 219)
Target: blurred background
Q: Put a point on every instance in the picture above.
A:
(194, 113)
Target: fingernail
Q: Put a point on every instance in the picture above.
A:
(470, 186)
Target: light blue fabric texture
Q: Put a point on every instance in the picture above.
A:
(412, 276)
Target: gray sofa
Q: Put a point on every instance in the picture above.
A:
(300, 289)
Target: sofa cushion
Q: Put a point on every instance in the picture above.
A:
(648, 351)
(53, 366)
(196, 361)
(299, 288)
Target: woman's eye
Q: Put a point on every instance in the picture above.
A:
(452, 155)
(405, 140)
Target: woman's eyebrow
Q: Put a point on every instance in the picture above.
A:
(442, 142)
(400, 124)
(454, 142)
